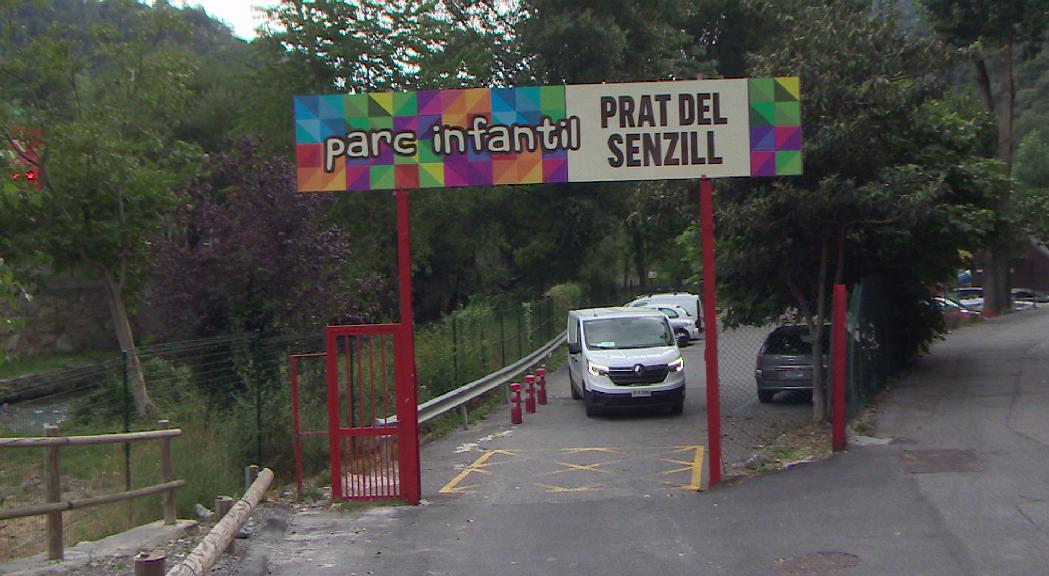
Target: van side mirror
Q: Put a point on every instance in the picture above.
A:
(574, 348)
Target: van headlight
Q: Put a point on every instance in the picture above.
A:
(596, 369)
(677, 365)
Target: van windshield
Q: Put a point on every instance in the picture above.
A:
(624, 333)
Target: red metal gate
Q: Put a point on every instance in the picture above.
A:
(372, 414)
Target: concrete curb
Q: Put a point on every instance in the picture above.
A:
(146, 537)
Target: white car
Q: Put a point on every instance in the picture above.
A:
(686, 300)
(684, 326)
(971, 298)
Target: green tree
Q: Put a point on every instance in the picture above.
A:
(1031, 196)
(726, 31)
(9, 290)
(885, 166)
(604, 41)
(995, 32)
(107, 101)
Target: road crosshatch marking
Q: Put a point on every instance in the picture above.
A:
(686, 459)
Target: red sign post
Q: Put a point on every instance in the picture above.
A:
(710, 322)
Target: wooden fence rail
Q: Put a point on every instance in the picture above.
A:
(54, 507)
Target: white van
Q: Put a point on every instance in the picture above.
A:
(690, 302)
(621, 357)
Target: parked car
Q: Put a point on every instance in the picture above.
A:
(784, 361)
(684, 326)
(948, 306)
(1022, 298)
(970, 297)
(623, 357)
(686, 300)
(954, 314)
(1028, 295)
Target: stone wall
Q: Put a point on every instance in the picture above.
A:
(64, 315)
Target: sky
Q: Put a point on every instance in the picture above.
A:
(238, 14)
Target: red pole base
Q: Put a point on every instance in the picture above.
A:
(516, 417)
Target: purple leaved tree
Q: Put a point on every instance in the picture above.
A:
(246, 252)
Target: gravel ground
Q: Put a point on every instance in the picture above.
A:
(174, 551)
(248, 558)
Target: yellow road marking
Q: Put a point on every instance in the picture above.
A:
(676, 470)
(477, 466)
(568, 467)
(695, 465)
(697, 469)
(688, 463)
(460, 489)
(556, 489)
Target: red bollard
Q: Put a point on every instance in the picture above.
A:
(530, 394)
(540, 379)
(515, 404)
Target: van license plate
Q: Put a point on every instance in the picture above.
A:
(793, 374)
(640, 393)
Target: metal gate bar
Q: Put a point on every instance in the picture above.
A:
(373, 454)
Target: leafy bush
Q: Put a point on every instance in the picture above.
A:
(569, 296)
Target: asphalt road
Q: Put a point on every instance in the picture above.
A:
(560, 455)
(963, 489)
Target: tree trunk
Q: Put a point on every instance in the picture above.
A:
(122, 326)
(819, 399)
(815, 324)
(640, 266)
(996, 280)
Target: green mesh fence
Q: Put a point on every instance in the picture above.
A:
(231, 397)
(871, 350)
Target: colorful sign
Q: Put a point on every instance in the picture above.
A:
(548, 134)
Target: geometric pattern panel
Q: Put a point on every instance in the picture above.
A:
(775, 126)
(467, 137)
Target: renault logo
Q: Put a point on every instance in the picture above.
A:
(639, 369)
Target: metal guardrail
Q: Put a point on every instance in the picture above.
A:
(460, 396)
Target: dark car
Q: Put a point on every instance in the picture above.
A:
(1028, 295)
(785, 361)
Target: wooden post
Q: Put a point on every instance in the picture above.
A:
(250, 474)
(466, 417)
(222, 507)
(147, 564)
(167, 470)
(53, 475)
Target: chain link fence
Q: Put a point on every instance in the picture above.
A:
(872, 351)
(750, 426)
(757, 431)
(450, 353)
(231, 397)
(225, 393)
